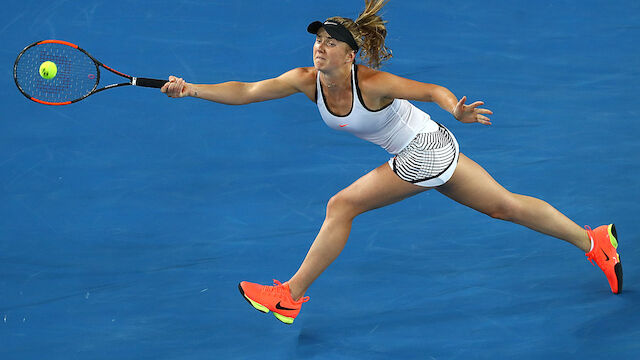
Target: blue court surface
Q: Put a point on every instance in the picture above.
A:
(128, 219)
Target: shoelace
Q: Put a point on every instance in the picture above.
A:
(591, 258)
(281, 291)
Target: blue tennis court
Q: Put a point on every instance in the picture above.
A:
(128, 219)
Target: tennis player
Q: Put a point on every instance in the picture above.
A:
(374, 105)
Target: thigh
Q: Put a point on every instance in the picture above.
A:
(378, 188)
(472, 186)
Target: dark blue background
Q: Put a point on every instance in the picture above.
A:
(127, 220)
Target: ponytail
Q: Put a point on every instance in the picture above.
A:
(373, 32)
(369, 32)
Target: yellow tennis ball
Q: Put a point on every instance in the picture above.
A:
(48, 69)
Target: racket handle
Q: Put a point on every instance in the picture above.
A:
(146, 82)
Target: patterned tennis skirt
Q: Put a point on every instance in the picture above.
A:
(429, 160)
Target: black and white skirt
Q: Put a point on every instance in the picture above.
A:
(429, 160)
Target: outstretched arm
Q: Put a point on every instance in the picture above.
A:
(395, 87)
(239, 93)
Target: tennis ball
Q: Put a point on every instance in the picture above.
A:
(48, 69)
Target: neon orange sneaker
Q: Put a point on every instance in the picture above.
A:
(276, 298)
(605, 243)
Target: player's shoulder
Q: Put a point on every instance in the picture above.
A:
(300, 77)
(372, 79)
(302, 72)
(367, 74)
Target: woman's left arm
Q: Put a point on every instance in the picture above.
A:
(391, 86)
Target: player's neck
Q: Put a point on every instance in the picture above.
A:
(339, 79)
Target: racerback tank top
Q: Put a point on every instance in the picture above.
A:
(392, 127)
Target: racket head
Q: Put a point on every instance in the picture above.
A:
(77, 77)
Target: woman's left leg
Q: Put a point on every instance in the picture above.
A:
(472, 186)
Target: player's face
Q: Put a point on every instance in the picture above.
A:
(329, 53)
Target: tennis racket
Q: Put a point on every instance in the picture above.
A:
(78, 74)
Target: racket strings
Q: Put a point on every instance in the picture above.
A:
(64, 77)
(77, 74)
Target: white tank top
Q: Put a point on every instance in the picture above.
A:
(392, 127)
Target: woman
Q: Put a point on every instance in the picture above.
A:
(374, 105)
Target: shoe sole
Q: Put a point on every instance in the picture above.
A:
(613, 237)
(264, 309)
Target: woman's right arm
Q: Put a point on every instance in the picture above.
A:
(240, 93)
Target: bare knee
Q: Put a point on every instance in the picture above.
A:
(342, 206)
(508, 209)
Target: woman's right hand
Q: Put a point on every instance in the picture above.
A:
(177, 88)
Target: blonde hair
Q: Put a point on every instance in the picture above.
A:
(369, 32)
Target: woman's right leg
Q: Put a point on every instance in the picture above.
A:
(376, 189)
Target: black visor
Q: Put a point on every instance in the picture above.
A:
(335, 30)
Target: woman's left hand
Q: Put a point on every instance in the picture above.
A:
(471, 113)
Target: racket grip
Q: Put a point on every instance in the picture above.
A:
(146, 82)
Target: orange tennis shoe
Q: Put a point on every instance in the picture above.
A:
(276, 298)
(605, 243)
